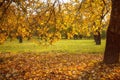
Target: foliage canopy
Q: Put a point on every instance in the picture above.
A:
(51, 20)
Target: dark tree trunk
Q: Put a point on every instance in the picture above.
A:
(97, 38)
(112, 50)
(20, 38)
(75, 37)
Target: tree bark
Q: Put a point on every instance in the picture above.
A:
(112, 50)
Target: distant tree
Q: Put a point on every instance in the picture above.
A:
(97, 38)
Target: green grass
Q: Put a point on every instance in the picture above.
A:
(70, 46)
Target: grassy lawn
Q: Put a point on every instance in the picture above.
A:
(67, 46)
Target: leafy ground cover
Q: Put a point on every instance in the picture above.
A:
(56, 66)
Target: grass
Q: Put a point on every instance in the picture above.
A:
(67, 46)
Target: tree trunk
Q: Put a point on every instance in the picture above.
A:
(112, 50)
(97, 38)
(20, 38)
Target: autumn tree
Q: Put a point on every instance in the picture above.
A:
(13, 22)
(112, 50)
(50, 20)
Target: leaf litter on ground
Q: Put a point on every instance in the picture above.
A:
(56, 66)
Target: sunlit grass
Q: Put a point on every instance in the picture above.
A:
(70, 46)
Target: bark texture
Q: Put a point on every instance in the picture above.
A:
(112, 50)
